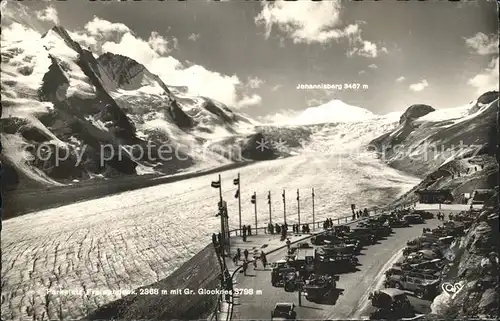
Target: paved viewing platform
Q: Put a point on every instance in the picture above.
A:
(374, 260)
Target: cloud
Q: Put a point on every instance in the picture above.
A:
(255, 82)
(247, 101)
(101, 28)
(400, 79)
(373, 66)
(367, 49)
(361, 72)
(104, 36)
(419, 86)
(160, 44)
(314, 22)
(483, 44)
(194, 36)
(303, 21)
(487, 79)
(48, 14)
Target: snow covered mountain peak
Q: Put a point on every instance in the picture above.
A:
(335, 111)
(58, 95)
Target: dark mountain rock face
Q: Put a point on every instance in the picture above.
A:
(484, 99)
(258, 148)
(210, 106)
(179, 117)
(414, 112)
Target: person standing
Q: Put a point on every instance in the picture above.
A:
(245, 253)
(263, 259)
(245, 266)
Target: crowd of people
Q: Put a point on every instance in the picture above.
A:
(360, 213)
(245, 261)
(246, 230)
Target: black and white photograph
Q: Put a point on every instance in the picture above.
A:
(249, 160)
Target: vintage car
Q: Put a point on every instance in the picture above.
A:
(424, 268)
(414, 219)
(396, 222)
(380, 230)
(423, 288)
(421, 246)
(390, 304)
(341, 229)
(279, 269)
(283, 311)
(424, 214)
(317, 288)
(364, 235)
(336, 261)
(343, 248)
(423, 255)
(407, 270)
(321, 238)
(290, 280)
(430, 265)
(303, 261)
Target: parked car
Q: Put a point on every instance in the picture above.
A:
(380, 230)
(283, 311)
(364, 235)
(320, 287)
(390, 304)
(396, 222)
(279, 269)
(424, 214)
(402, 269)
(343, 248)
(321, 238)
(418, 284)
(423, 255)
(430, 265)
(414, 219)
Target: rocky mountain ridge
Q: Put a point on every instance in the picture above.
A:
(60, 98)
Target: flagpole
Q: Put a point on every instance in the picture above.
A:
(222, 227)
(298, 205)
(284, 206)
(220, 190)
(239, 199)
(255, 208)
(314, 221)
(270, 211)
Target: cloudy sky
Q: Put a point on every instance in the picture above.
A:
(252, 55)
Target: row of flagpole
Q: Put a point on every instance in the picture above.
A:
(253, 200)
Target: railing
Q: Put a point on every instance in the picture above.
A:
(315, 225)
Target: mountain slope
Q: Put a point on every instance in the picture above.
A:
(420, 145)
(69, 116)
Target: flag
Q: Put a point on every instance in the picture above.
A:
(215, 184)
(236, 181)
(312, 192)
(283, 196)
(269, 198)
(253, 200)
(298, 195)
(237, 193)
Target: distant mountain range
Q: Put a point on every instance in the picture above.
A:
(101, 113)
